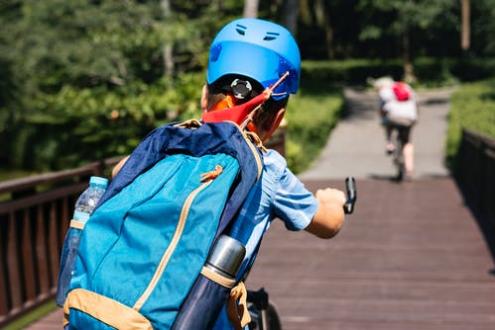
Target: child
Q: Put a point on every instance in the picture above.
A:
(246, 57)
(398, 109)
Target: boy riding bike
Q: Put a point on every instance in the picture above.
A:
(398, 109)
(247, 57)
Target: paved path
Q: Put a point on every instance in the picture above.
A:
(356, 145)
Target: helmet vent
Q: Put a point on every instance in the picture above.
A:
(241, 29)
(271, 36)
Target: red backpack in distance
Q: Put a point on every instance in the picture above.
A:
(402, 91)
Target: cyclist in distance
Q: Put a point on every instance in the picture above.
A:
(246, 57)
(398, 110)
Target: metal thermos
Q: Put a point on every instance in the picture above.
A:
(226, 256)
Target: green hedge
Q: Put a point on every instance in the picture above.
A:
(75, 126)
(311, 116)
(429, 71)
(472, 107)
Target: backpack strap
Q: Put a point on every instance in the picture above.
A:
(237, 307)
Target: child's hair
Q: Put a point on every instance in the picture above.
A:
(264, 116)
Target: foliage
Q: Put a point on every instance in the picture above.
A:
(85, 79)
(404, 16)
(311, 115)
(430, 71)
(100, 122)
(483, 26)
(473, 108)
(373, 29)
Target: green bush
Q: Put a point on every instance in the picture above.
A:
(473, 108)
(75, 125)
(429, 71)
(311, 115)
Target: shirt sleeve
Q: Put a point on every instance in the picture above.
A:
(292, 202)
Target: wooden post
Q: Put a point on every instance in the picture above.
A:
(28, 259)
(53, 245)
(13, 264)
(4, 304)
(41, 254)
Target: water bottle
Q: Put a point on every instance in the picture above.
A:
(85, 205)
(201, 307)
(226, 257)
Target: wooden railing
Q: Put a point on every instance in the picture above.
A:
(476, 172)
(34, 215)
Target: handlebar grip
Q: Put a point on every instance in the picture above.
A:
(350, 185)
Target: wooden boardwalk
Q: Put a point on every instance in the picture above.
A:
(411, 257)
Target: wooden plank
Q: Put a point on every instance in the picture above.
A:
(42, 255)
(411, 257)
(27, 259)
(52, 244)
(13, 265)
(40, 198)
(4, 305)
(51, 177)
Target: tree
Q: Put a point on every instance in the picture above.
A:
(323, 20)
(250, 8)
(290, 13)
(404, 18)
(466, 25)
(82, 80)
(168, 56)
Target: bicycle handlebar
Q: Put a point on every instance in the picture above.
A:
(350, 185)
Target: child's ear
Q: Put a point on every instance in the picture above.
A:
(204, 98)
(275, 124)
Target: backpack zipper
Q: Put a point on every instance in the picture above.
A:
(209, 176)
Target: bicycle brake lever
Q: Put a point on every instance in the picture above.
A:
(350, 185)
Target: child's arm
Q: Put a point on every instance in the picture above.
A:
(119, 165)
(329, 217)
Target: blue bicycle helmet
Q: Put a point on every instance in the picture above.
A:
(256, 49)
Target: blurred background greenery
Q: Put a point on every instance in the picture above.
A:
(83, 80)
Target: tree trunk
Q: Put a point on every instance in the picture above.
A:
(250, 8)
(409, 76)
(290, 13)
(323, 19)
(466, 25)
(168, 55)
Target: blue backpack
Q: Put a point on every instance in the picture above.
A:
(141, 256)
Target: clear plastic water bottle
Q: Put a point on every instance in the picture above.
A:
(85, 205)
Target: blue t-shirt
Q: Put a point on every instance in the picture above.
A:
(282, 195)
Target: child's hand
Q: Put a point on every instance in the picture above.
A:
(329, 217)
(331, 196)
